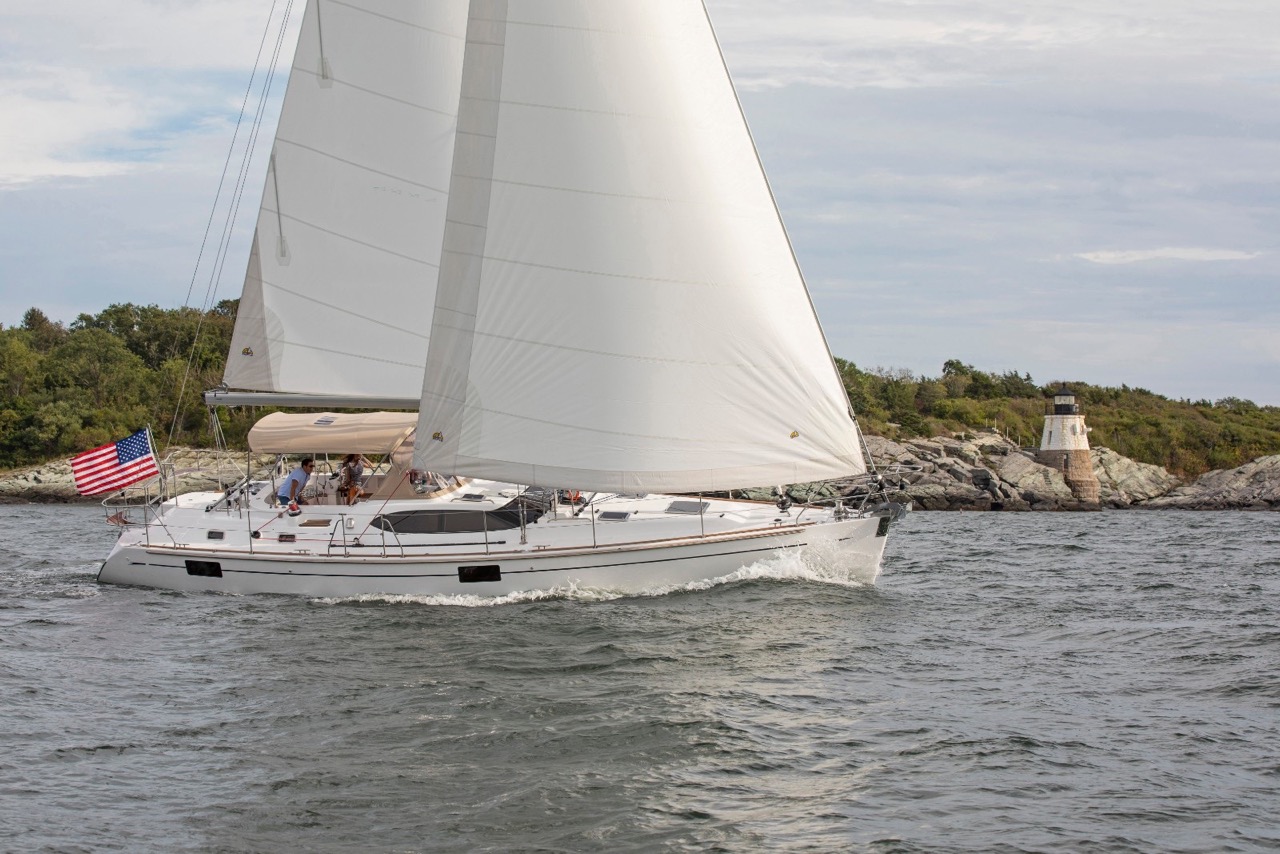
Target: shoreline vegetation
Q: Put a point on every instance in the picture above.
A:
(68, 388)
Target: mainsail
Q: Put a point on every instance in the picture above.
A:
(341, 280)
(619, 307)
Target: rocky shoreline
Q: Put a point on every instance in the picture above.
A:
(982, 471)
(193, 469)
(985, 471)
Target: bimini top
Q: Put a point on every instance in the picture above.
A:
(331, 432)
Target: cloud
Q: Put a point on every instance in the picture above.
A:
(1133, 256)
(91, 90)
(941, 43)
(55, 116)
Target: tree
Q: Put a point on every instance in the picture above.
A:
(19, 364)
(45, 334)
(99, 363)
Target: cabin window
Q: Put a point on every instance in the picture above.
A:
(453, 521)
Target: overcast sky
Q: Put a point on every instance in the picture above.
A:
(1078, 189)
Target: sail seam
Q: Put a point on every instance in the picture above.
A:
(554, 188)
(627, 276)
(711, 443)
(585, 110)
(544, 26)
(320, 349)
(350, 239)
(344, 311)
(360, 166)
(298, 69)
(401, 21)
(693, 363)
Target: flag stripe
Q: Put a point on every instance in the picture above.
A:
(116, 465)
(90, 466)
(133, 473)
(121, 478)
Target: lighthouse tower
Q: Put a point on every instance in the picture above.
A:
(1064, 446)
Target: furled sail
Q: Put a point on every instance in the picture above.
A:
(342, 274)
(619, 307)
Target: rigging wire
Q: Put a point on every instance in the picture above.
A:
(237, 193)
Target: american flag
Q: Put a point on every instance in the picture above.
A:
(115, 465)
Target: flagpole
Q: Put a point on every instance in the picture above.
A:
(151, 443)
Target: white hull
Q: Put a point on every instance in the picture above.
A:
(560, 553)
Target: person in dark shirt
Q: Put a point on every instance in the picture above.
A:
(349, 478)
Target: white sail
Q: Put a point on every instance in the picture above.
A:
(619, 307)
(341, 280)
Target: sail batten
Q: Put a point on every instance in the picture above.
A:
(618, 306)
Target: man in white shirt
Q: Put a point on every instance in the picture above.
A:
(290, 491)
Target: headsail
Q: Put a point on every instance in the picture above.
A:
(619, 307)
(342, 275)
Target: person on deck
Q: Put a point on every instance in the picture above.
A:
(349, 477)
(290, 491)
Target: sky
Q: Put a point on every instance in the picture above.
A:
(1075, 189)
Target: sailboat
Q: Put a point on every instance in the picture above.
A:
(542, 230)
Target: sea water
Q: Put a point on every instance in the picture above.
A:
(1015, 682)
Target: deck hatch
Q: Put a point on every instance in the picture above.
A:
(687, 506)
(482, 572)
(614, 515)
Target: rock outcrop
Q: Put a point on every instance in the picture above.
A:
(1253, 486)
(983, 471)
(1125, 482)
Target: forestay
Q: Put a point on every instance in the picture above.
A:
(341, 279)
(619, 307)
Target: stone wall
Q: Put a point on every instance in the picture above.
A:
(1076, 467)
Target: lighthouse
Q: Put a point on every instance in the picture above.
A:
(1064, 445)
